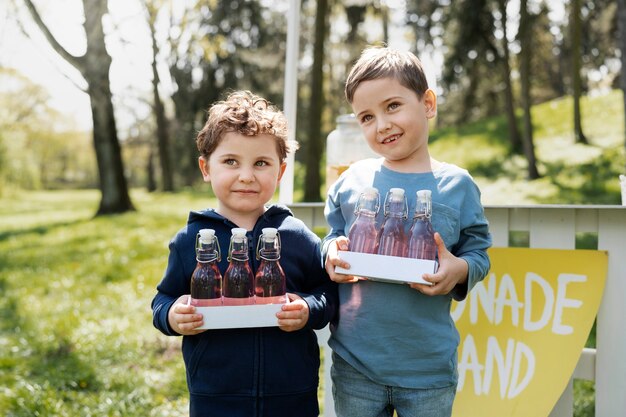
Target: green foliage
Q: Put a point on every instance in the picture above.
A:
(571, 173)
(584, 398)
(39, 147)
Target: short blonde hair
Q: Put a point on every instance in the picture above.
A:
(248, 114)
(380, 62)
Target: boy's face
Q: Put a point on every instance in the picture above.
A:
(395, 122)
(244, 172)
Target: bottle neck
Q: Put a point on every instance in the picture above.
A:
(206, 252)
(366, 214)
(269, 254)
(396, 209)
(238, 256)
(238, 250)
(423, 211)
(269, 248)
(205, 255)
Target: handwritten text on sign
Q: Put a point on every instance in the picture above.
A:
(523, 328)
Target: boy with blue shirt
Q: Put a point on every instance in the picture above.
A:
(248, 372)
(395, 346)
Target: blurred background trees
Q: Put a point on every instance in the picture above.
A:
(488, 58)
(94, 66)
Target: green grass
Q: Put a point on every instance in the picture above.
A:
(76, 336)
(571, 173)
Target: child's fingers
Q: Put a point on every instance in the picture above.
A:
(293, 316)
(186, 317)
(340, 278)
(342, 243)
(294, 305)
(290, 325)
(294, 310)
(184, 308)
(289, 321)
(424, 288)
(289, 315)
(345, 279)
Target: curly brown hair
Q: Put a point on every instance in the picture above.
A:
(248, 114)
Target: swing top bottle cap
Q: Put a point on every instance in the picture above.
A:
(423, 195)
(238, 231)
(370, 191)
(206, 234)
(396, 193)
(269, 231)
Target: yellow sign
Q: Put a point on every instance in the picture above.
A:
(523, 328)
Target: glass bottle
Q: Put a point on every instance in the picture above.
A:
(422, 236)
(363, 233)
(269, 281)
(206, 279)
(392, 239)
(238, 278)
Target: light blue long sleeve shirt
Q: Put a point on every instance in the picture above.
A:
(391, 333)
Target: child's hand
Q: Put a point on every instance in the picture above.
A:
(332, 260)
(452, 271)
(183, 318)
(293, 315)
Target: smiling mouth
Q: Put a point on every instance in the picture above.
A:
(390, 139)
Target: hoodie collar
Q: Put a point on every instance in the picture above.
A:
(272, 212)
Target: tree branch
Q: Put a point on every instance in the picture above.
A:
(76, 61)
(53, 63)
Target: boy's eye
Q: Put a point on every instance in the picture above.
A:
(261, 163)
(393, 106)
(366, 118)
(230, 162)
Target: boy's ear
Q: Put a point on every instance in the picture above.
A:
(283, 166)
(430, 103)
(203, 163)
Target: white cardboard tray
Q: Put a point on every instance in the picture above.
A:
(384, 268)
(230, 317)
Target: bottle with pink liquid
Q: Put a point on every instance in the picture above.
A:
(206, 279)
(363, 233)
(422, 236)
(269, 281)
(238, 278)
(392, 240)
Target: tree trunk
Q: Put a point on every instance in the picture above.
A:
(514, 135)
(384, 16)
(355, 14)
(525, 57)
(314, 146)
(151, 180)
(94, 66)
(189, 103)
(115, 198)
(576, 81)
(621, 23)
(162, 133)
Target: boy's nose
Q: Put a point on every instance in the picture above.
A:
(246, 175)
(383, 124)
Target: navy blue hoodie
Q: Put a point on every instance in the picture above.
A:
(258, 371)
